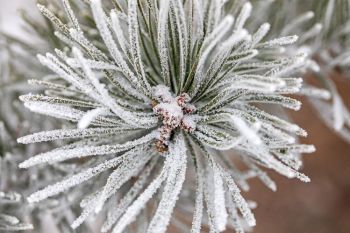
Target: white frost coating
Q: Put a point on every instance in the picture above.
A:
(46, 84)
(299, 148)
(135, 47)
(210, 210)
(116, 213)
(89, 198)
(243, 16)
(322, 108)
(341, 60)
(57, 100)
(162, 39)
(279, 42)
(218, 145)
(238, 199)
(329, 13)
(173, 109)
(90, 116)
(226, 70)
(46, 136)
(9, 219)
(129, 168)
(278, 134)
(316, 92)
(338, 114)
(270, 161)
(60, 155)
(253, 85)
(261, 33)
(313, 32)
(297, 22)
(208, 45)
(134, 209)
(55, 110)
(76, 179)
(64, 72)
(176, 177)
(71, 15)
(273, 99)
(220, 217)
(162, 92)
(64, 38)
(236, 219)
(116, 25)
(267, 181)
(198, 14)
(71, 76)
(190, 121)
(254, 82)
(100, 19)
(88, 205)
(54, 19)
(243, 56)
(219, 32)
(246, 131)
(183, 35)
(79, 37)
(236, 37)
(97, 65)
(198, 209)
(105, 99)
(83, 216)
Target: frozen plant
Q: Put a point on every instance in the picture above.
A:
(334, 57)
(9, 222)
(160, 96)
(16, 66)
(323, 27)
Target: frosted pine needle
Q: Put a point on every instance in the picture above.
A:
(323, 28)
(160, 83)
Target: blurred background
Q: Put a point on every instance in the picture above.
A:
(322, 206)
